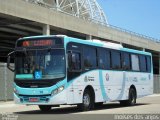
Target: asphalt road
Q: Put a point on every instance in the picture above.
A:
(147, 105)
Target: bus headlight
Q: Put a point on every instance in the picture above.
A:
(15, 91)
(58, 90)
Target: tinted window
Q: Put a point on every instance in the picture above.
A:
(74, 61)
(126, 61)
(148, 63)
(104, 59)
(135, 62)
(116, 62)
(89, 57)
(143, 66)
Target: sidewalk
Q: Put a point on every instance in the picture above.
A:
(7, 104)
(4, 104)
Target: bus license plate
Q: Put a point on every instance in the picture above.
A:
(33, 99)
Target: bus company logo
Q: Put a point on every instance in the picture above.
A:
(143, 79)
(85, 79)
(88, 79)
(135, 79)
(107, 77)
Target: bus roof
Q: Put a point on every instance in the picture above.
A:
(42, 36)
(93, 42)
(110, 45)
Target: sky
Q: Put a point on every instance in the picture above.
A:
(140, 16)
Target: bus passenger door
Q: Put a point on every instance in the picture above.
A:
(74, 71)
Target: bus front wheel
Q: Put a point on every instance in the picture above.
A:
(87, 102)
(45, 108)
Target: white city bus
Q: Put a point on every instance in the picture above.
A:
(60, 70)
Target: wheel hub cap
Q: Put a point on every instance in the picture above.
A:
(86, 100)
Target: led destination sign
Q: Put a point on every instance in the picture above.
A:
(39, 42)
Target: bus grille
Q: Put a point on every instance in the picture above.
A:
(34, 84)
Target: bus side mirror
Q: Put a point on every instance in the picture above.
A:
(8, 61)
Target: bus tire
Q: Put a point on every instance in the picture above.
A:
(87, 101)
(45, 108)
(132, 97)
(131, 100)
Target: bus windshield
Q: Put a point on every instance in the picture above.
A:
(40, 64)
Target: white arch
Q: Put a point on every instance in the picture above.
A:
(86, 9)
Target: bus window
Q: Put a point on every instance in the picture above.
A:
(148, 63)
(116, 62)
(126, 63)
(89, 58)
(143, 65)
(104, 59)
(74, 61)
(135, 62)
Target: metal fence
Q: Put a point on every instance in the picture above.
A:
(6, 83)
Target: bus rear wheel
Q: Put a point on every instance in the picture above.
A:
(45, 108)
(132, 98)
(87, 102)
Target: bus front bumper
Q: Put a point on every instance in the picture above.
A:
(57, 99)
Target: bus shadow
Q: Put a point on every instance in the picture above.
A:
(74, 109)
